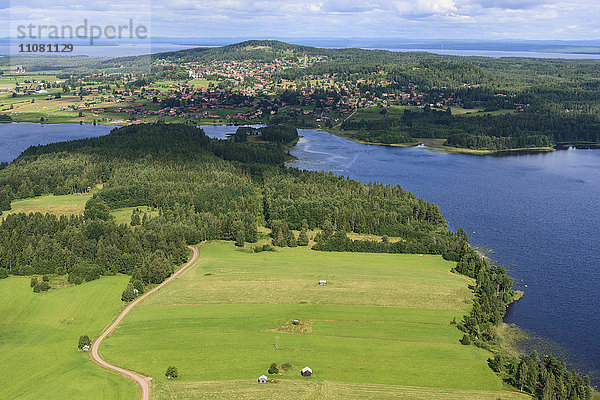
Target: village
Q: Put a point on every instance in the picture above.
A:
(221, 92)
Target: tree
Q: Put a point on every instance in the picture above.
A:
(466, 340)
(291, 239)
(3, 273)
(239, 239)
(128, 293)
(41, 287)
(171, 372)
(84, 340)
(33, 281)
(303, 238)
(96, 208)
(138, 285)
(273, 369)
(135, 219)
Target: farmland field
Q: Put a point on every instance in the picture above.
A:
(380, 328)
(38, 341)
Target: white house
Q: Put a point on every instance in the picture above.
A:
(86, 348)
(306, 371)
(262, 379)
(322, 282)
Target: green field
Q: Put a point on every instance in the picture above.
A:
(123, 215)
(38, 341)
(59, 205)
(380, 328)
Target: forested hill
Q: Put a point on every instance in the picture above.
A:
(204, 188)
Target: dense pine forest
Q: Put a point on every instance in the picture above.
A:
(209, 189)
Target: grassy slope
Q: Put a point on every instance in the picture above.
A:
(38, 341)
(70, 204)
(58, 205)
(381, 322)
(123, 215)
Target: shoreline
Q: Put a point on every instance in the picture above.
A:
(430, 144)
(437, 145)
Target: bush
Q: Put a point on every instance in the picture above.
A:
(84, 340)
(172, 372)
(74, 278)
(45, 278)
(128, 294)
(33, 282)
(286, 366)
(466, 340)
(268, 247)
(273, 370)
(41, 287)
(3, 273)
(496, 363)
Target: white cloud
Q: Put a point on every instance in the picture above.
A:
(537, 19)
(425, 7)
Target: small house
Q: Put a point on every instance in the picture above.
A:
(262, 379)
(86, 348)
(306, 371)
(322, 282)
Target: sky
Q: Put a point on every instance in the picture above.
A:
(423, 19)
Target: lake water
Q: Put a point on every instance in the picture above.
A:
(17, 137)
(539, 212)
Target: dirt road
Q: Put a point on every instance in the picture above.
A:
(143, 382)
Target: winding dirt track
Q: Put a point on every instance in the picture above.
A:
(140, 380)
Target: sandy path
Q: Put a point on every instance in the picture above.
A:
(144, 382)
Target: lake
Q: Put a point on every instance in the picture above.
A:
(17, 137)
(539, 212)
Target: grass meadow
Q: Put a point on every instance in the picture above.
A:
(59, 205)
(380, 328)
(39, 335)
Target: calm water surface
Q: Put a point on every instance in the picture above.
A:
(17, 137)
(539, 212)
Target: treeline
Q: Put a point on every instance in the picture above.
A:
(485, 131)
(275, 133)
(544, 379)
(320, 198)
(85, 249)
(279, 133)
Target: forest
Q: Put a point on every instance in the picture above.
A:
(484, 131)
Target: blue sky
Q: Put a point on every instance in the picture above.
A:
(425, 19)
